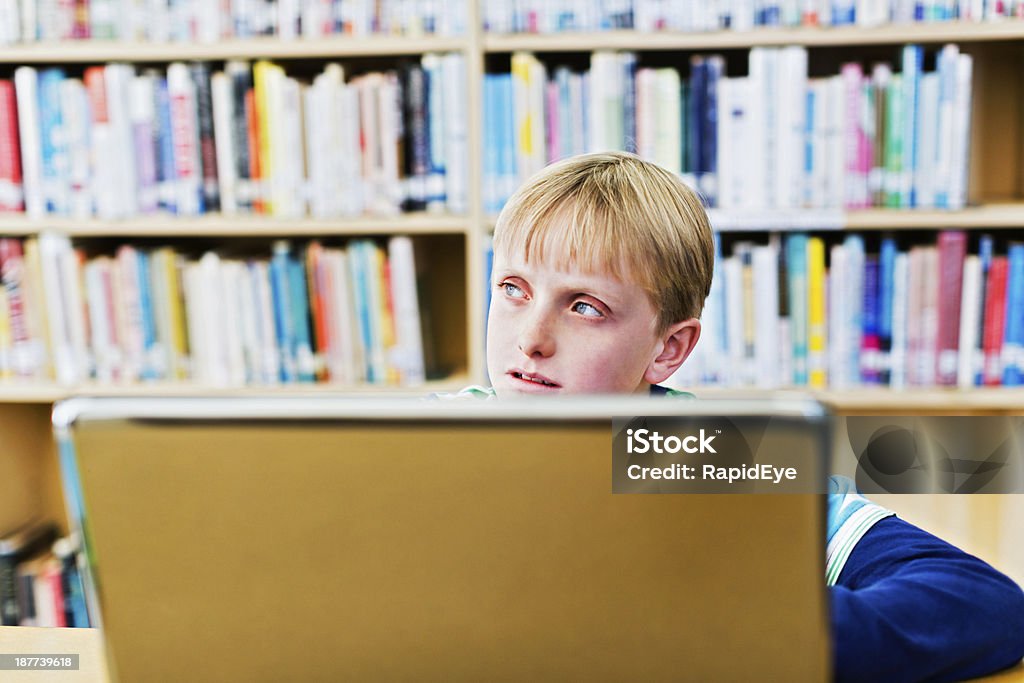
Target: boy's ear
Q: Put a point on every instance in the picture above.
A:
(677, 343)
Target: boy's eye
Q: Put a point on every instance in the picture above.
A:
(589, 310)
(512, 290)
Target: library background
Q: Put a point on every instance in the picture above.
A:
(258, 196)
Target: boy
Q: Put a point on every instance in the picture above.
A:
(601, 267)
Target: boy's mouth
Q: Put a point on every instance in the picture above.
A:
(533, 379)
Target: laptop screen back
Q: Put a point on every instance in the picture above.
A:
(340, 540)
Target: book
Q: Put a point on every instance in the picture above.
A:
(17, 545)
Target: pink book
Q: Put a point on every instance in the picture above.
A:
(952, 251)
(553, 138)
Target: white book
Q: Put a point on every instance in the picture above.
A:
(646, 114)
(129, 306)
(344, 362)
(55, 252)
(322, 126)
(291, 203)
(407, 354)
(759, 186)
(194, 295)
(946, 129)
(350, 178)
(208, 16)
(928, 140)
(117, 79)
(733, 271)
(818, 179)
(185, 132)
(288, 19)
(144, 124)
(790, 123)
(855, 187)
(10, 22)
(668, 131)
(766, 315)
(601, 91)
(970, 321)
(733, 120)
(232, 291)
(835, 103)
(246, 302)
(74, 105)
(215, 321)
(223, 122)
(456, 132)
(764, 73)
(390, 138)
(270, 368)
(579, 98)
(369, 118)
(962, 132)
(26, 85)
(100, 325)
(29, 21)
(838, 340)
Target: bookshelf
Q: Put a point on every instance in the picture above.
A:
(457, 242)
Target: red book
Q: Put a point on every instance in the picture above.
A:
(995, 320)
(254, 150)
(315, 277)
(11, 190)
(952, 251)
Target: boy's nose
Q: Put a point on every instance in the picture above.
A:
(536, 338)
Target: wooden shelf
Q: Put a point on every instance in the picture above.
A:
(12, 392)
(883, 400)
(1009, 215)
(97, 51)
(939, 32)
(235, 226)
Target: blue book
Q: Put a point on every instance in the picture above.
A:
(146, 305)
(357, 267)
(166, 172)
(53, 141)
(695, 118)
(491, 140)
(298, 296)
(913, 56)
(437, 164)
(947, 67)
(716, 301)
(565, 122)
(986, 248)
(809, 124)
(714, 70)
(886, 275)
(853, 326)
(282, 316)
(1013, 335)
(506, 140)
(629, 102)
(796, 262)
(869, 373)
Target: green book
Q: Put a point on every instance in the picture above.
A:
(894, 142)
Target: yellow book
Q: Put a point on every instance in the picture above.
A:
(524, 123)
(816, 321)
(6, 340)
(387, 318)
(166, 267)
(264, 74)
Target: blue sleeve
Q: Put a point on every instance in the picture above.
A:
(911, 607)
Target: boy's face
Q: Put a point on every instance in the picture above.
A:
(561, 330)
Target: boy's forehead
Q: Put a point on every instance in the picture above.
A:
(561, 259)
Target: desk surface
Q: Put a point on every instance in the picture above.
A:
(86, 643)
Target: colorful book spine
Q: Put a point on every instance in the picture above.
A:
(952, 246)
(1013, 339)
(816, 320)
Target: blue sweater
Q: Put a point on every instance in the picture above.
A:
(908, 606)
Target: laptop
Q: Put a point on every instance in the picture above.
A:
(388, 539)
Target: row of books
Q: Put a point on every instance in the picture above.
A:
(800, 312)
(316, 313)
(249, 139)
(205, 21)
(545, 16)
(40, 584)
(774, 138)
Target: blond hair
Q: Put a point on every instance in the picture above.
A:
(613, 212)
